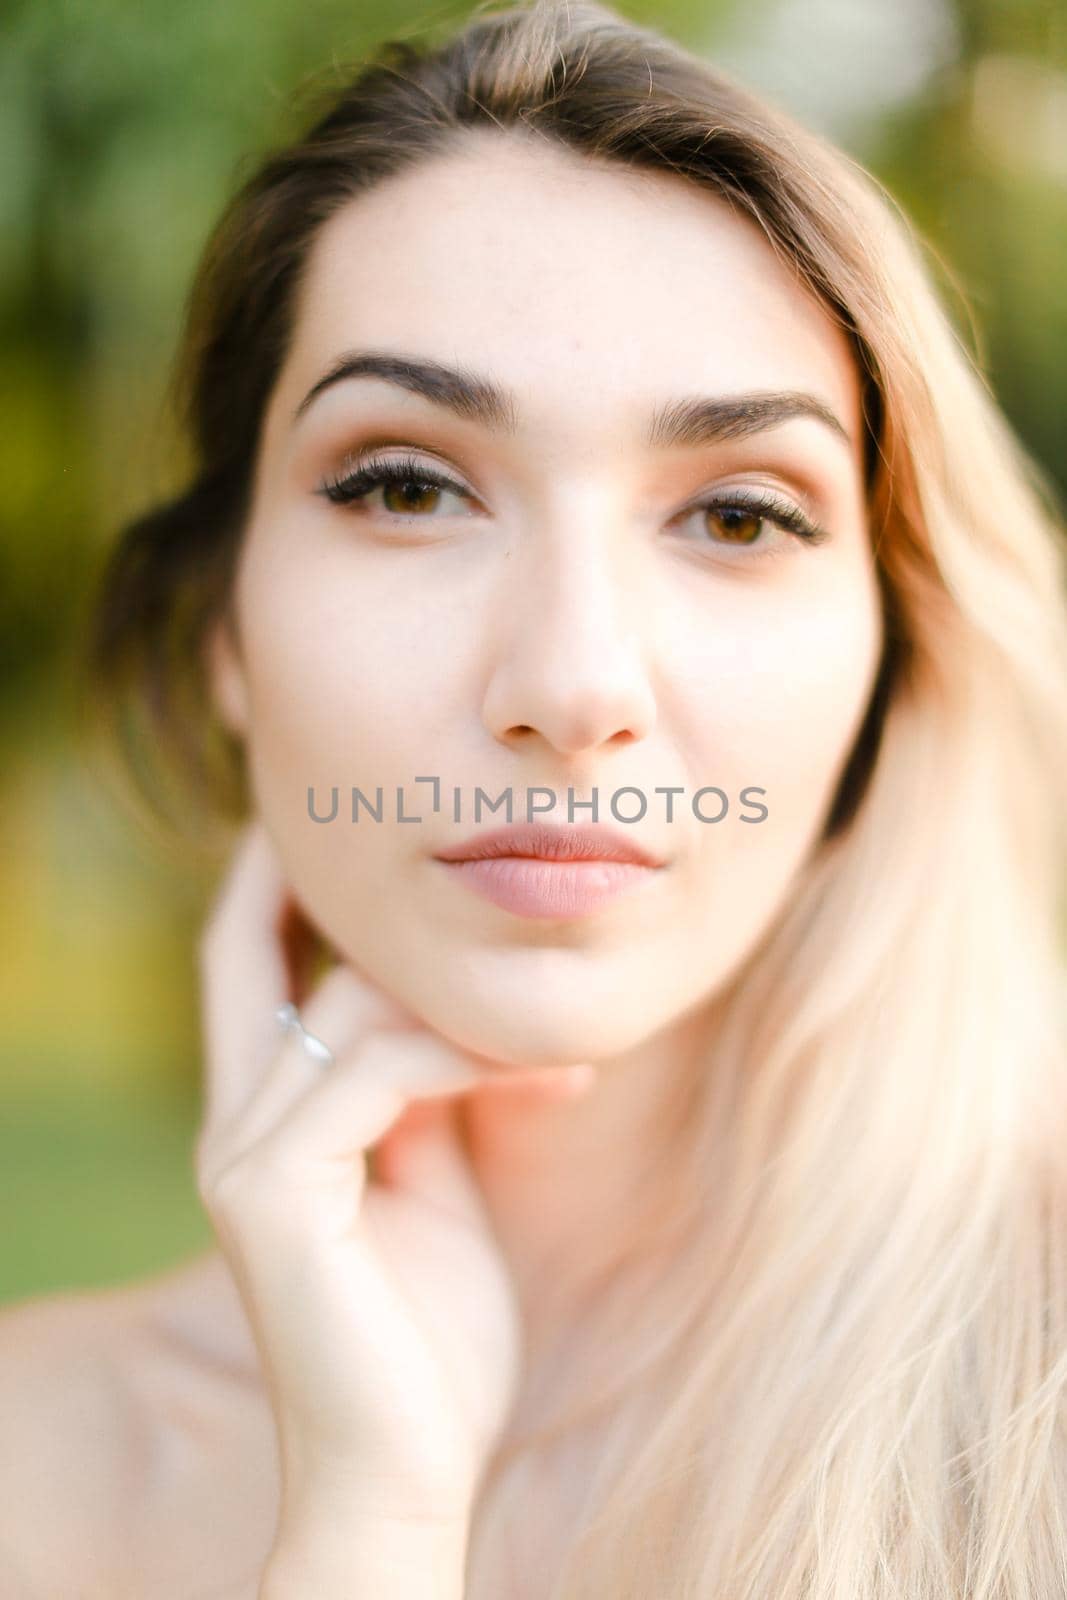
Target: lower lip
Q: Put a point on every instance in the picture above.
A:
(532, 887)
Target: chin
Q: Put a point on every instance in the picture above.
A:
(539, 1030)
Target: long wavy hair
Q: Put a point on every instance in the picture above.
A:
(832, 1365)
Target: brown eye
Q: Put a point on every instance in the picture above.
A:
(735, 524)
(756, 522)
(411, 495)
(409, 489)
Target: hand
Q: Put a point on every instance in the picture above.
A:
(380, 1304)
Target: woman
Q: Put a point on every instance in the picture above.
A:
(674, 1206)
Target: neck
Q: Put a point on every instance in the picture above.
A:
(573, 1185)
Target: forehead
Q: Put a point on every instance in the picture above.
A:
(590, 288)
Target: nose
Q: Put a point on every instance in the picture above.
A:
(569, 658)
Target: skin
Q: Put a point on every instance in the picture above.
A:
(569, 639)
(571, 621)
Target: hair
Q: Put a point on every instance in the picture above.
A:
(833, 1363)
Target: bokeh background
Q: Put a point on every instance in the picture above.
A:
(123, 126)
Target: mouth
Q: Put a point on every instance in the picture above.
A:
(529, 887)
(537, 870)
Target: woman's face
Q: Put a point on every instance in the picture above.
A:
(573, 613)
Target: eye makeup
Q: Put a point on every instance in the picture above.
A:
(741, 513)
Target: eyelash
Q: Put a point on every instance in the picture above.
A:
(769, 507)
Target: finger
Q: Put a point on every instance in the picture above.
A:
(344, 1008)
(243, 973)
(257, 951)
(542, 1083)
(326, 1133)
(329, 1131)
(423, 1154)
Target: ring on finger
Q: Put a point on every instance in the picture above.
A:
(288, 1018)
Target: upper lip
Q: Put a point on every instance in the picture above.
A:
(552, 842)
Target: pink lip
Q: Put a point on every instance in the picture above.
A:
(552, 842)
(541, 870)
(537, 888)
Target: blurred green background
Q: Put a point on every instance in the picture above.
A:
(122, 128)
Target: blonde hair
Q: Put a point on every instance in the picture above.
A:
(832, 1365)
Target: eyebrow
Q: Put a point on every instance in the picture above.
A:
(687, 421)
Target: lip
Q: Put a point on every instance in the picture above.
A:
(541, 870)
(532, 887)
(556, 842)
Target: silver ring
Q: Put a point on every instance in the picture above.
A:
(289, 1018)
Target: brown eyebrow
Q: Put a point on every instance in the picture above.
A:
(687, 421)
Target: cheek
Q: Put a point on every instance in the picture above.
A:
(777, 681)
(337, 668)
(791, 704)
(786, 698)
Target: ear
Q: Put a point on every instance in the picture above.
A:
(225, 676)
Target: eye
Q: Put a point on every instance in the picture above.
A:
(744, 520)
(411, 489)
(732, 521)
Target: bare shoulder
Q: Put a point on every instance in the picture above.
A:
(71, 1440)
(136, 1453)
